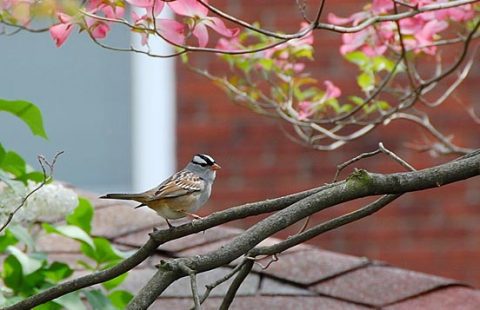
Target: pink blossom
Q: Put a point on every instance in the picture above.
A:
(372, 41)
(109, 9)
(459, 14)
(171, 30)
(143, 20)
(427, 34)
(355, 18)
(353, 41)
(412, 25)
(192, 8)
(60, 32)
(308, 108)
(332, 91)
(113, 11)
(98, 29)
(230, 44)
(304, 110)
(148, 4)
(382, 6)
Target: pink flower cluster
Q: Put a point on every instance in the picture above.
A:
(308, 108)
(196, 20)
(18, 10)
(97, 28)
(418, 32)
(281, 54)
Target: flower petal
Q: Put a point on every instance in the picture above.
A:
(188, 8)
(171, 30)
(60, 33)
(201, 33)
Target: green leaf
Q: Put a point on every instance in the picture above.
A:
(10, 301)
(27, 112)
(12, 275)
(184, 58)
(366, 81)
(85, 265)
(103, 251)
(82, 215)
(13, 163)
(357, 57)
(113, 283)
(33, 281)
(98, 300)
(305, 52)
(8, 238)
(357, 100)
(21, 234)
(382, 63)
(70, 231)
(120, 298)
(345, 108)
(382, 105)
(35, 176)
(51, 305)
(244, 65)
(57, 271)
(266, 63)
(29, 264)
(333, 103)
(2, 153)
(71, 301)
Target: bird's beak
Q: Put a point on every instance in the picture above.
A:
(216, 167)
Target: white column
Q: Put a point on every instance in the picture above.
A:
(153, 116)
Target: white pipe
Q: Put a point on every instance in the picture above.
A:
(153, 116)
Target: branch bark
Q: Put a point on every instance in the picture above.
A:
(290, 209)
(359, 184)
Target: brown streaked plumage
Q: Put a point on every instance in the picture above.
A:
(181, 194)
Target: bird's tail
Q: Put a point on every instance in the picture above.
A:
(137, 197)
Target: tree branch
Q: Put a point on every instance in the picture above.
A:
(158, 238)
(232, 290)
(291, 209)
(359, 184)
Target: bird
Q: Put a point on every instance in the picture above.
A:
(181, 194)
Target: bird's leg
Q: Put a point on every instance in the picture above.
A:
(197, 217)
(169, 225)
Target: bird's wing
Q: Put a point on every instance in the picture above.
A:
(181, 183)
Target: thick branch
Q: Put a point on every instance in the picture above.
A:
(324, 227)
(159, 238)
(359, 184)
(157, 284)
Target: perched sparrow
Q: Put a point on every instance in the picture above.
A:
(181, 194)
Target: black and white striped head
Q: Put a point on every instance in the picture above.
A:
(205, 161)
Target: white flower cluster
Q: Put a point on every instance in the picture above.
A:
(51, 202)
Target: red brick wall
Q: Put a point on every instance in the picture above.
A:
(435, 231)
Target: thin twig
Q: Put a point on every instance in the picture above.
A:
(47, 176)
(273, 259)
(342, 166)
(193, 284)
(381, 149)
(232, 290)
(395, 157)
(211, 286)
(324, 227)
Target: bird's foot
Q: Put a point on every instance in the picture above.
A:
(195, 216)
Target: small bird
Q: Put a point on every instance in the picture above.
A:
(181, 194)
